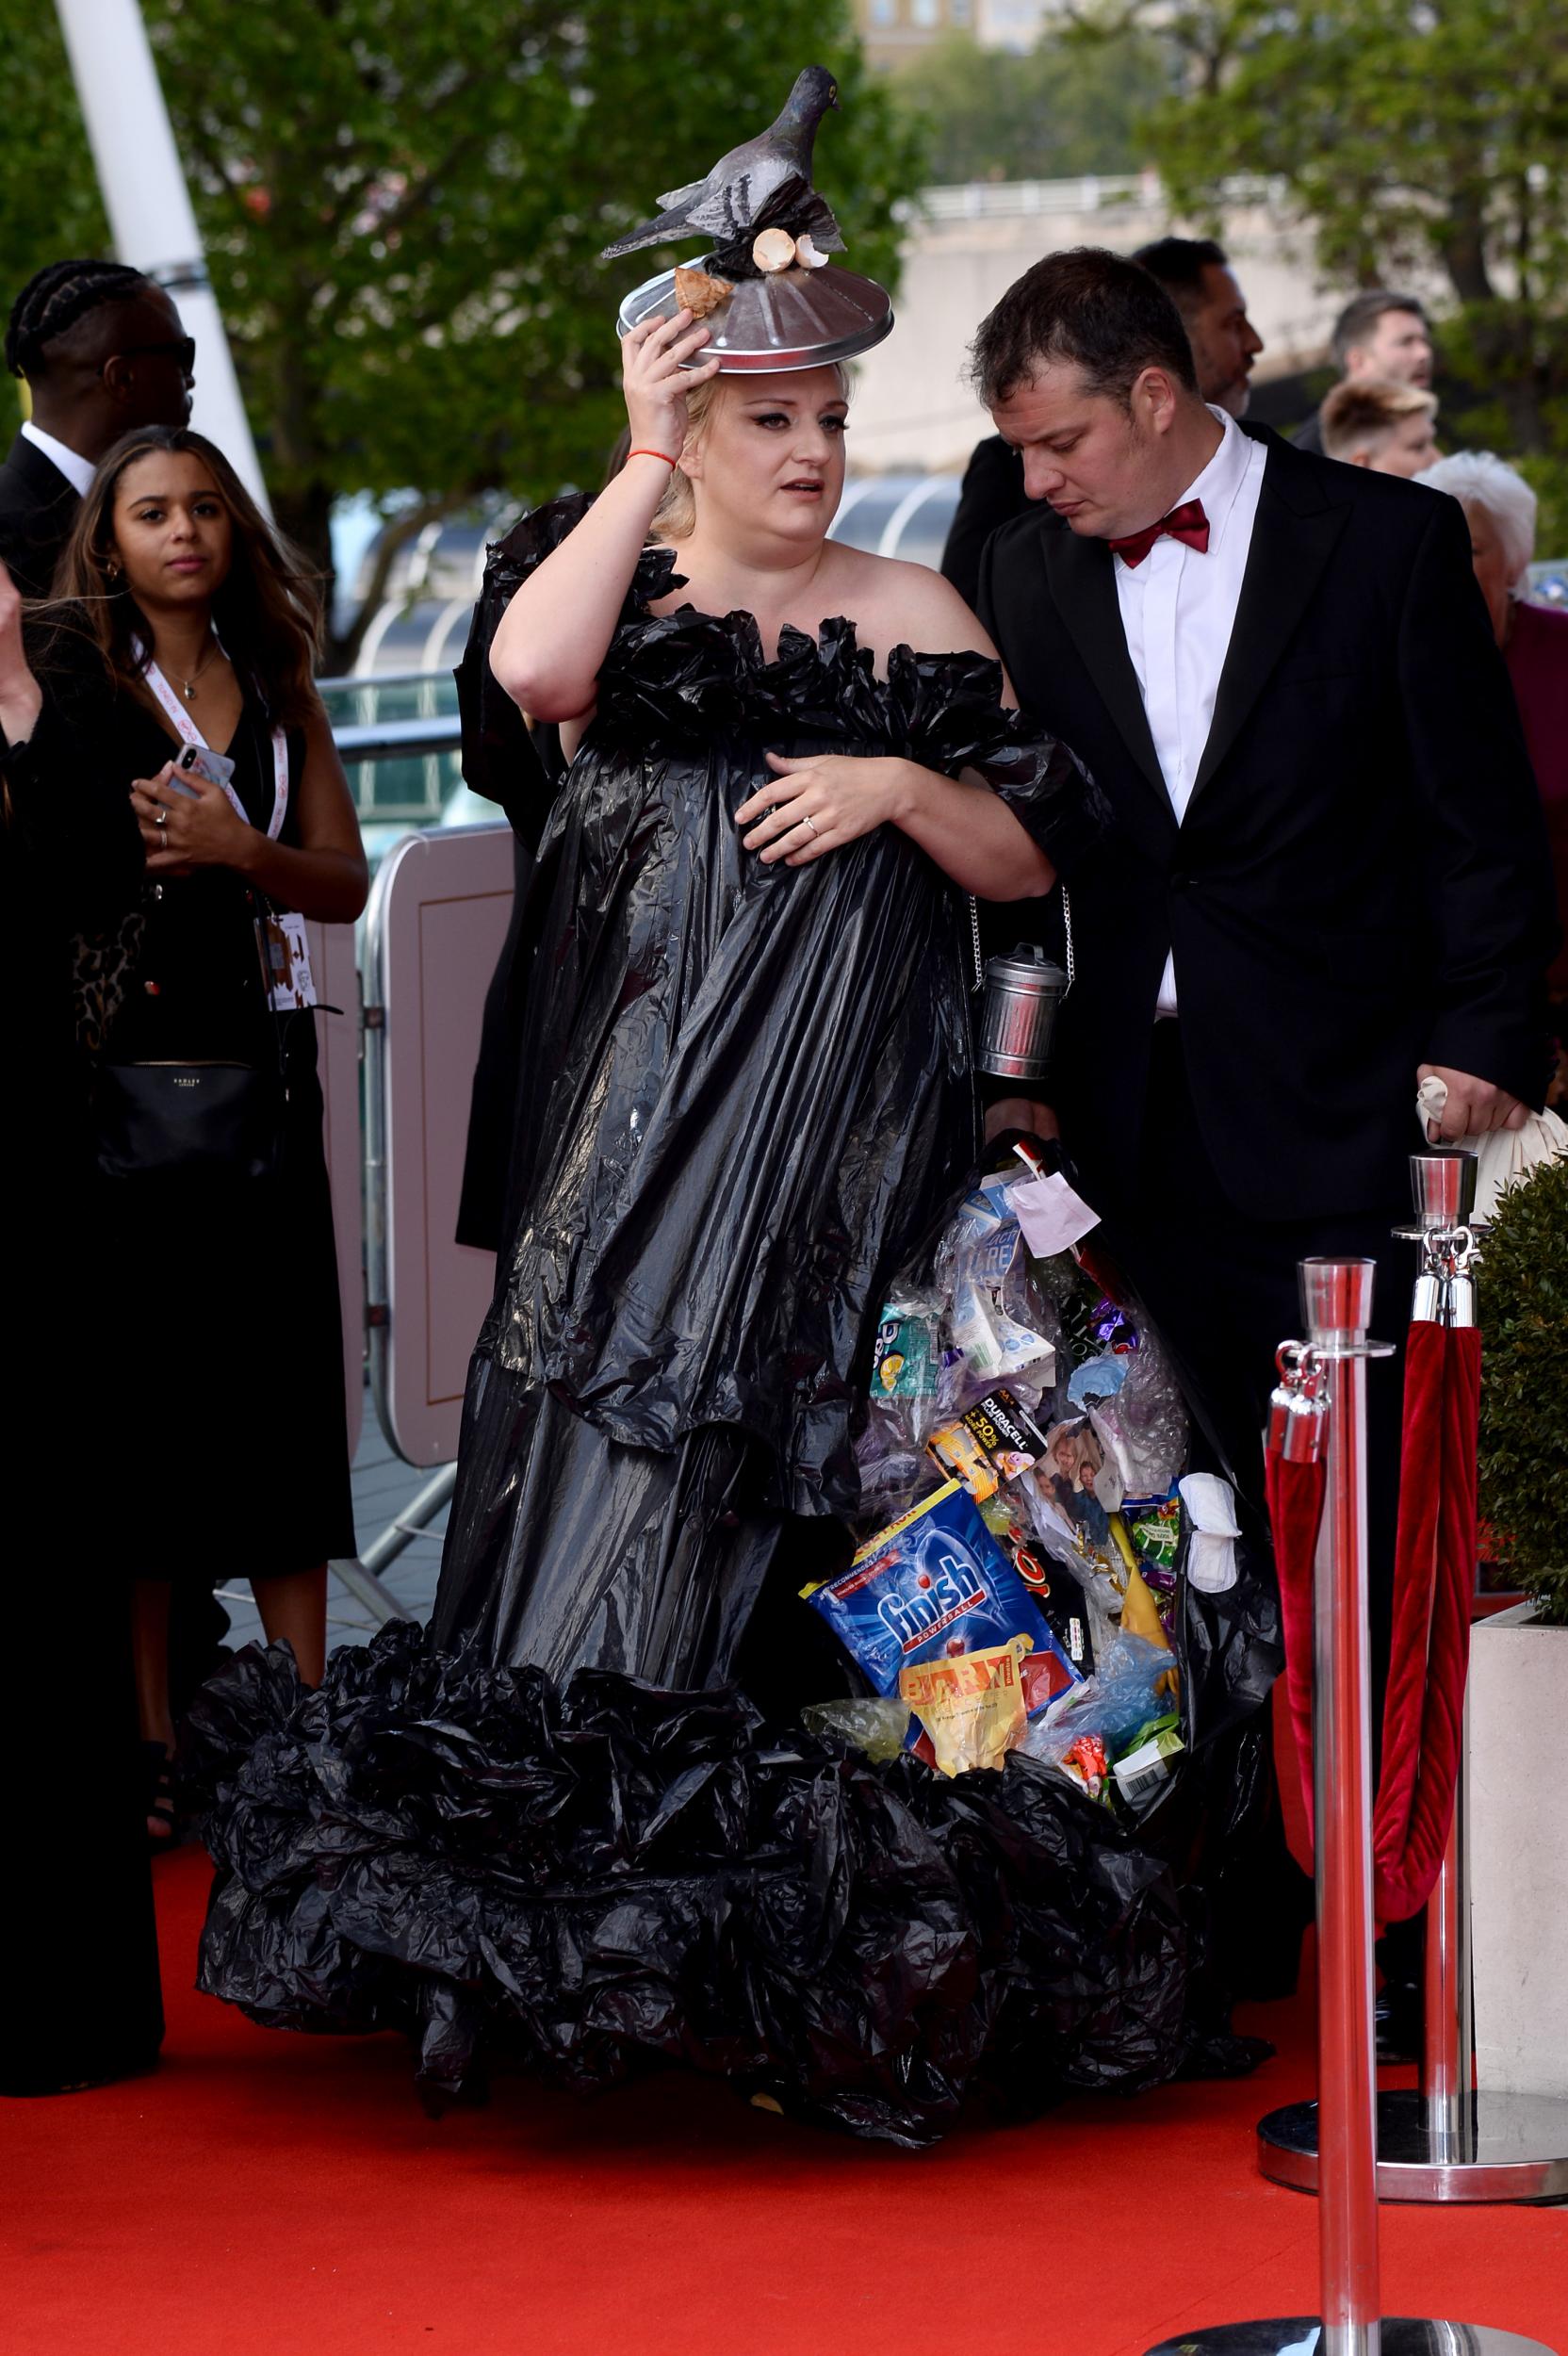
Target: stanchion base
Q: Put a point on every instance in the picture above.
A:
(1301, 2335)
(1518, 2150)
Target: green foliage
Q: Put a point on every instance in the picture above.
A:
(1067, 108)
(1524, 1427)
(403, 207)
(1410, 140)
(49, 203)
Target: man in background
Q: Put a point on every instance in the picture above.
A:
(1379, 334)
(1390, 429)
(101, 350)
(1197, 275)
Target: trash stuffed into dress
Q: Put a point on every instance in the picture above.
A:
(554, 1834)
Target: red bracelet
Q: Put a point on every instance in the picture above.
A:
(651, 454)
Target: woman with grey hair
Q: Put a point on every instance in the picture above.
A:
(1501, 509)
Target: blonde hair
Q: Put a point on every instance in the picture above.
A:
(676, 516)
(1362, 411)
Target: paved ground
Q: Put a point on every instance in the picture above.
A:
(384, 1486)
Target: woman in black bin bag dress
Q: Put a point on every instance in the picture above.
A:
(746, 1099)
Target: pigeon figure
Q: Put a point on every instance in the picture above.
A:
(763, 182)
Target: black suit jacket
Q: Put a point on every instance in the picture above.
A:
(38, 507)
(991, 496)
(1359, 883)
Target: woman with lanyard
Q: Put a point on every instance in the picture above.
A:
(181, 629)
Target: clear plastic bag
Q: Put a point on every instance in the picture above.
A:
(906, 1380)
(1000, 1326)
(1130, 1687)
(1143, 1423)
(877, 1727)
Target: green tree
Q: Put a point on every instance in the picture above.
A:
(49, 202)
(403, 206)
(1068, 107)
(1408, 137)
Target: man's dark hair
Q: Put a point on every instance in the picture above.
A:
(1095, 308)
(1360, 316)
(54, 299)
(1179, 264)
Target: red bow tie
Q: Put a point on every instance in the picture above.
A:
(1186, 522)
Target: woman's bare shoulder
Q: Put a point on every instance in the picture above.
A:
(898, 603)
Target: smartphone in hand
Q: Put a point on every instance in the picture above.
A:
(200, 760)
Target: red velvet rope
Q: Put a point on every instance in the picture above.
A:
(1433, 1574)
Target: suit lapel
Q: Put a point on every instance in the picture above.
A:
(1082, 586)
(1294, 534)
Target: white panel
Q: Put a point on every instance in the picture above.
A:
(336, 974)
(442, 905)
(1519, 1853)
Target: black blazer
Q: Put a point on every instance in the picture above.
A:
(1359, 883)
(991, 496)
(38, 507)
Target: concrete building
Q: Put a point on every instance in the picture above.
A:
(895, 30)
(912, 410)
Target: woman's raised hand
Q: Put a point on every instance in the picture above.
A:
(656, 383)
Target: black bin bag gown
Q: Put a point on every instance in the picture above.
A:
(554, 1834)
(746, 1093)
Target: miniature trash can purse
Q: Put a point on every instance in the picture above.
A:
(1019, 997)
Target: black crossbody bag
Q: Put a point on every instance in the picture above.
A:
(168, 1119)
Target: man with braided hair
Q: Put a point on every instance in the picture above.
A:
(102, 348)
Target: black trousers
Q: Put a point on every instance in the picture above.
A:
(1223, 1289)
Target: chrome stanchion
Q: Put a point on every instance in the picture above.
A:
(1337, 1300)
(1448, 2141)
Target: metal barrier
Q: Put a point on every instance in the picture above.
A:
(396, 1120)
(1447, 2140)
(1337, 1300)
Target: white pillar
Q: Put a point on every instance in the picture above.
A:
(149, 206)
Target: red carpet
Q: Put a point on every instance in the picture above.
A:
(278, 2196)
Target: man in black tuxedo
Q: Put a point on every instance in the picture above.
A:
(102, 349)
(1329, 873)
(1327, 878)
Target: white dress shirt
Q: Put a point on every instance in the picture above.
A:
(1177, 610)
(77, 471)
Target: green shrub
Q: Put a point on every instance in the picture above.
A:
(1524, 1429)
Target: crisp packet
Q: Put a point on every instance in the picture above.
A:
(933, 1585)
(1154, 1526)
(973, 1708)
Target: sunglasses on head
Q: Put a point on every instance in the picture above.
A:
(182, 347)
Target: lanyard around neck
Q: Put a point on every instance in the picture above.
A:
(189, 734)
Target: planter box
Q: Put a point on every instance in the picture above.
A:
(1519, 1852)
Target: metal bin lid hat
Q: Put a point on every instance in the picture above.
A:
(772, 297)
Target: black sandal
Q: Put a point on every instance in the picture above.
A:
(163, 1831)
